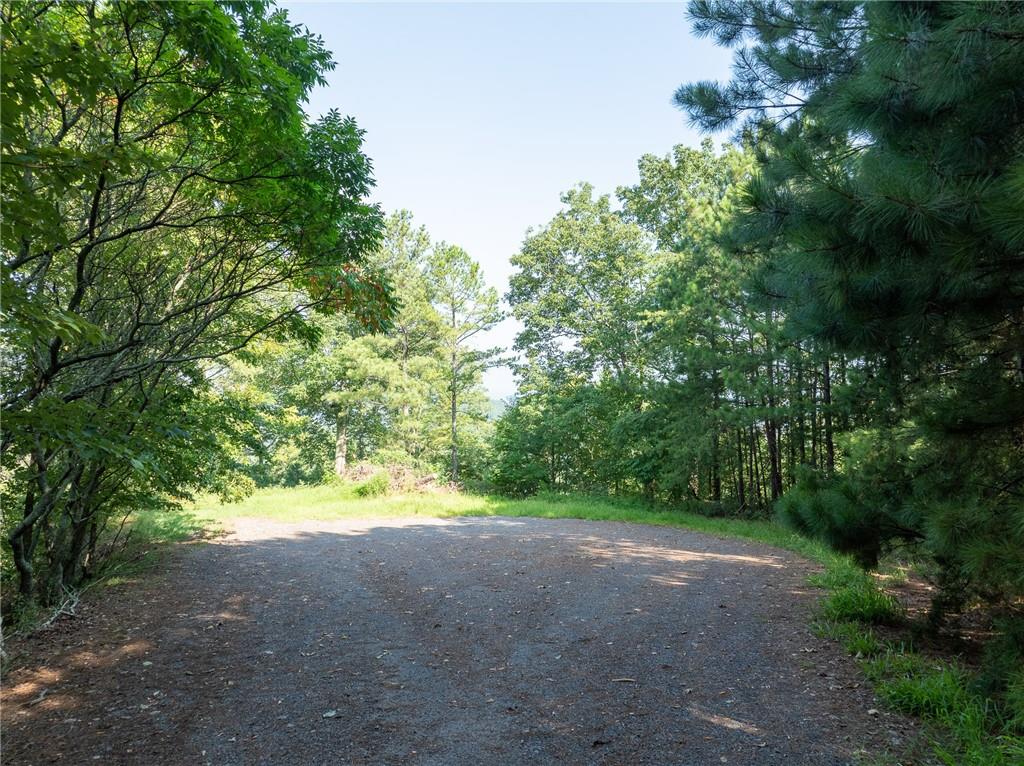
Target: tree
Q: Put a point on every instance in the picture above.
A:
(468, 308)
(350, 393)
(580, 293)
(579, 286)
(166, 202)
(892, 190)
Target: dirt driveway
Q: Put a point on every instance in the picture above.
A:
(447, 642)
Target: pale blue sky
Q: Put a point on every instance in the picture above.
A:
(478, 116)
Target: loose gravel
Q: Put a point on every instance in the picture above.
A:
(448, 642)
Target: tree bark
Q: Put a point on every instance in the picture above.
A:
(739, 473)
(716, 477)
(826, 393)
(341, 443)
(774, 474)
(454, 414)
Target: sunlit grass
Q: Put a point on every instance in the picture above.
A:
(340, 501)
(146, 536)
(328, 502)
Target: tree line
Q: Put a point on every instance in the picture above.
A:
(822, 318)
(166, 202)
(825, 318)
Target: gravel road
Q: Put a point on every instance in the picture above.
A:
(448, 642)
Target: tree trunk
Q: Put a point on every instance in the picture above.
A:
(739, 473)
(814, 424)
(716, 476)
(341, 443)
(755, 462)
(455, 443)
(826, 393)
(771, 432)
(774, 475)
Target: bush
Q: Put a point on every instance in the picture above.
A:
(519, 477)
(235, 488)
(833, 511)
(377, 484)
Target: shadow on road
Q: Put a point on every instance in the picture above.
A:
(446, 642)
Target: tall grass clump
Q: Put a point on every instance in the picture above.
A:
(375, 485)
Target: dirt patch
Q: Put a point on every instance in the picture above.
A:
(512, 641)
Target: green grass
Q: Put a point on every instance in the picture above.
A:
(963, 727)
(375, 485)
(322, 503)
(854, 638)
(861, 601)
(147, 535)
(968, 730)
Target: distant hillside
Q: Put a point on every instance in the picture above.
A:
(496, 409)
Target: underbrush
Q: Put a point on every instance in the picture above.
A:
(965, 727)
(127, 551)
(377, 484)
(146, 535)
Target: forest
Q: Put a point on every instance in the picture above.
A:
(814, 318)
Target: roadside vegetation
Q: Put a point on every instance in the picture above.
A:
(809, 335)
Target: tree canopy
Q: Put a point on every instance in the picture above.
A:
(166, 202)
(820, 320)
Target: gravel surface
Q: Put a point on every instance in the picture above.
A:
(448, 642)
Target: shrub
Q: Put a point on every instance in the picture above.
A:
(377, 484)
(235, 488)
(835, 511)
(518, 475)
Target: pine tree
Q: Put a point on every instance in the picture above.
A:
(467, 308)
(891, 190)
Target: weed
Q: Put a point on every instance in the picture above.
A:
(861, 602)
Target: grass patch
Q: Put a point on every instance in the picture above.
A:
(861, 602)
(964, 727)
(343, 501)
(375, 485)
(969, 730)
(857, 640)
(146, 535)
